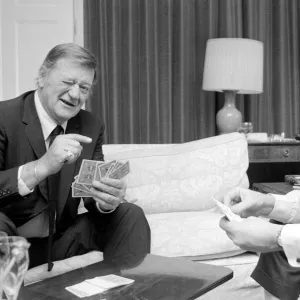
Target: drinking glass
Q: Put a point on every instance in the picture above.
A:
(16, 262)
(246, 127)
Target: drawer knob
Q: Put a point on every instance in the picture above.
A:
(286, 152)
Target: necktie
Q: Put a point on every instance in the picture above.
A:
(52, 188)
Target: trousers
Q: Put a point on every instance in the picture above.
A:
(123, 231)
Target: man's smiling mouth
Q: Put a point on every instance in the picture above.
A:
(67, 103)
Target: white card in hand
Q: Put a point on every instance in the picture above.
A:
(227, 211)
(109, 281)
(84, 289)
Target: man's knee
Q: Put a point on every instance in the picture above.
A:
(131, 211)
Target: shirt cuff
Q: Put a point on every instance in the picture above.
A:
(286, 207)
(22, 187)
(103, 211)
(291, 243)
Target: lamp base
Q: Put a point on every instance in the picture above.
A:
(229, 118)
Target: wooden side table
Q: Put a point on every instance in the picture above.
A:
(270, 162)
(280, 188)
(274, 152)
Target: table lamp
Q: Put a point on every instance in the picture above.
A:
(232, 66)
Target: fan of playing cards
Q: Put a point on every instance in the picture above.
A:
(93, 170)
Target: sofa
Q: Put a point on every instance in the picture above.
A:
(174, 184)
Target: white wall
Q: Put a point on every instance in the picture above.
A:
(28, 30)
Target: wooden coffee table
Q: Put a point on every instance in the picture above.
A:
(156, 277)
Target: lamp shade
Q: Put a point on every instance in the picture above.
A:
(234, 64)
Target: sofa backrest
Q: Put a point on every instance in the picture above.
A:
(182, 177)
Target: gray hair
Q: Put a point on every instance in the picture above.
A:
(68, 50)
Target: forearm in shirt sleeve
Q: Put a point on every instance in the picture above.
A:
(290, 238)
(286, 208)
(23, 188)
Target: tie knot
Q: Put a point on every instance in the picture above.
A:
(55, 132)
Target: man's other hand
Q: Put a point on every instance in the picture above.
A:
(65, 148)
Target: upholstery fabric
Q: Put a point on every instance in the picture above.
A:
(195, 234)
(183, 177)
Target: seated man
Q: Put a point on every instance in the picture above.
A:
(44, 135)
(278, 269)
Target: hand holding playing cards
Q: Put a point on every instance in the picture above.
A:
(253, 234)
(108, 192)
(102, 181)
(55, 157)
(245, 202)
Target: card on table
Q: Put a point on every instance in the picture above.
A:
(84, 289)
(109, 281)
(98, 285)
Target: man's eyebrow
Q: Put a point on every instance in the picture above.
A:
(69, 79)
(86, 83)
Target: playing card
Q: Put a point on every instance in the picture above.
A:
(110, 169)
(80, 187)
(104, 168)
(78, 193)
(121, 172)
(116, 166)
(227, 211)
(97, 172)
(84, 289)
(87, 171)
(109, 281)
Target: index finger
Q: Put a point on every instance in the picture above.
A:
(79, 138)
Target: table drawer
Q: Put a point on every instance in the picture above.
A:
(274, 153)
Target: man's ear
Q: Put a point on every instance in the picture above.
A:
(40, 82)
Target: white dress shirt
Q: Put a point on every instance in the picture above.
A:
(287, 210)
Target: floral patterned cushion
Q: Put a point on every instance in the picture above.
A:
(183, 177)
(193, 234)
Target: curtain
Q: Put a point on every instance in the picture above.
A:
(151, 57)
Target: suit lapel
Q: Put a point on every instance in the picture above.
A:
(33, 129)
(34, 133)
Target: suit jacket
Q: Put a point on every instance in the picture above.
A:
(22, 141)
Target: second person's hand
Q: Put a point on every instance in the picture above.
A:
(252, 234)
(245, 202)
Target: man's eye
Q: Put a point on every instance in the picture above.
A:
(69, 83)
(84, 89)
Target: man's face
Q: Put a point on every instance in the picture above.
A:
(65, 89)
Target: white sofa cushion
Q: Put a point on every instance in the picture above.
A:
(183, 177)
(192, 234)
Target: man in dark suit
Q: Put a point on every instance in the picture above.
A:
(44, 135)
